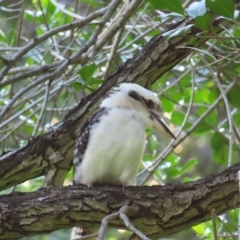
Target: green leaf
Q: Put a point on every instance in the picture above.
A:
(187, 179)
(187, 92)
(188, 165)
(213, 95)
(223, 8)
(233, 97)
(177, 118)
(204, 92)
(212, 117)
(218, 141)
(236, 32)
(152, 143)
(236, 118)
(171, 5)
(203, 22)
(202, 128)
(176, 95)
(193, 40)
(32, 16)
(11, 37)
(76, 85)
(87, 71)
(167, 105)
(92, 81)
(221, 155)
(200, 229)
(2, 36)
(65, 95)
(50, 10)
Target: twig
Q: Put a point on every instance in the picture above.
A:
(213, 216)
(20, 23)
(113, 52)
(43, 108)
(131, 227)
(104, 224)
(122, 215)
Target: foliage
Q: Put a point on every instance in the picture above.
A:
(200, 95)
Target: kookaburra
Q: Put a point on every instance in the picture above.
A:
(110, 144)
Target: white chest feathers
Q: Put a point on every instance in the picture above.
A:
(114, 151)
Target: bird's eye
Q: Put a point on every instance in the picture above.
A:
(150, 103)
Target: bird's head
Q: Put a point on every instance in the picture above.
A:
(145, 102)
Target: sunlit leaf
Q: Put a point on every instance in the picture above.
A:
(177, 118)
(167, 105)
(200, 229)
(76, 85)
(87, 71)
(236, 118)
(188, 166)
(220, 155)
(233, 96)
(223, 8)
(218, 141)
(171, 5)
(196, 9)
(203, 22)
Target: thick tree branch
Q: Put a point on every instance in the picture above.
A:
(159, 210)
(47, 151)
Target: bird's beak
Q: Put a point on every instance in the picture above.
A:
(160, 125)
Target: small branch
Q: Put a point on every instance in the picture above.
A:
(43, 108)
(215, 235)
(113, 52)
(129, 225)
(104, 224)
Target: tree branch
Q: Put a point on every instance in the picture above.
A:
(158, 210)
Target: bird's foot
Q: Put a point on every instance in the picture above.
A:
(124, 185)
(89, 185)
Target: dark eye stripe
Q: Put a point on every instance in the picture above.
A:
(148, 102)
(135, 95)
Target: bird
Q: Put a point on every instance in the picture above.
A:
(110, 144)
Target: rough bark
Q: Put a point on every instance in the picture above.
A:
(158, 210)
(53, 151)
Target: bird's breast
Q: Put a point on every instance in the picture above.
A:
(115, 149)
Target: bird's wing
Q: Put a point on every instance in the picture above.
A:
(83, 134)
